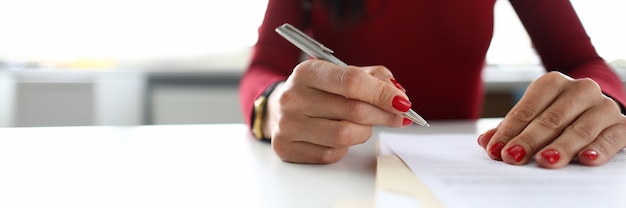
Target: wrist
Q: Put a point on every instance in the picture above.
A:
(259, 114)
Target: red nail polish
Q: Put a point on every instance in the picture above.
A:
(407, 122)
(400, 103)
(590, 154)
(517, 152)
(551, 155)
(397, 84)
(496, 150)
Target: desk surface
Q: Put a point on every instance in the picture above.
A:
(179, 166)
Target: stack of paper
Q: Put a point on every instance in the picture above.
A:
(451, 170)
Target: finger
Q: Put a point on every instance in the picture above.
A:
(324, 132)
(483, 141)
(304, 152)
(494, 151)
(352, 82)
(383, 74)
(579, 134)
(606, 145)
(539, 95)
(336, 134)
(484, 138)
(380, 72)
(336, 107)
(321, 141)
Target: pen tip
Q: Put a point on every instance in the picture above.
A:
(427, 125)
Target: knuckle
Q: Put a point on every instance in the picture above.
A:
(524, 113)
(281, 126)
(588, 87)
(527, 141)
(356, 110)
(367, 133)
(506, 132)
(287, 96)
(551, 120)
(342, 135)
(552, 77)
(584, 131)
(350, 80)
(280, 148)
(610, 139)
(609, 103)
(303, 68)
(587, 84)
(285, 100)
(382, 96)
(329, 155)
(378, 69)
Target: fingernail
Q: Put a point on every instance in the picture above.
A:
(480, 137)
(590, 154)
(398, 85)
(551, 155)
(517, 152)
(400, 103)
(496, 150)
(407, 122)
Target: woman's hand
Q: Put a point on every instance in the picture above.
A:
(558, 119)
(323, 109)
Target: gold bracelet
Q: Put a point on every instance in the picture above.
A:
(260, 105)
(259, 110)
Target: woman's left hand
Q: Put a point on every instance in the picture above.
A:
(559, 119)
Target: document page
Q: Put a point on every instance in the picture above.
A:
(459, 172)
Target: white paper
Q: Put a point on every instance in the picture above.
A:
(461, 174)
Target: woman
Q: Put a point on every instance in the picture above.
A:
(316, 110)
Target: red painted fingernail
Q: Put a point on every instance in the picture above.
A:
(496, 150)
(517, 152)
(407, 122)
(551, 155)
(590, 154)
(400, 103)
(398, 85)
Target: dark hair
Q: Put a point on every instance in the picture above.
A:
(345, 12)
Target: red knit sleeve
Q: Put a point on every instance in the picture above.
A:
(273, 58)
(562, 43)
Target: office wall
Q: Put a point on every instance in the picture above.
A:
(7, 92)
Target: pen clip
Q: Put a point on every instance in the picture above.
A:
(292, 29)
(308, 44)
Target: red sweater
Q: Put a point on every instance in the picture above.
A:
(435, 49)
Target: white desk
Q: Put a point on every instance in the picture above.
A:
(179, 166)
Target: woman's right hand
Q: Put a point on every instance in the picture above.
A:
(323, 109)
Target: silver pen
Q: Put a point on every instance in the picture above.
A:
(319, 51)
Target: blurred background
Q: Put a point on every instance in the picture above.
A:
(135, 62)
